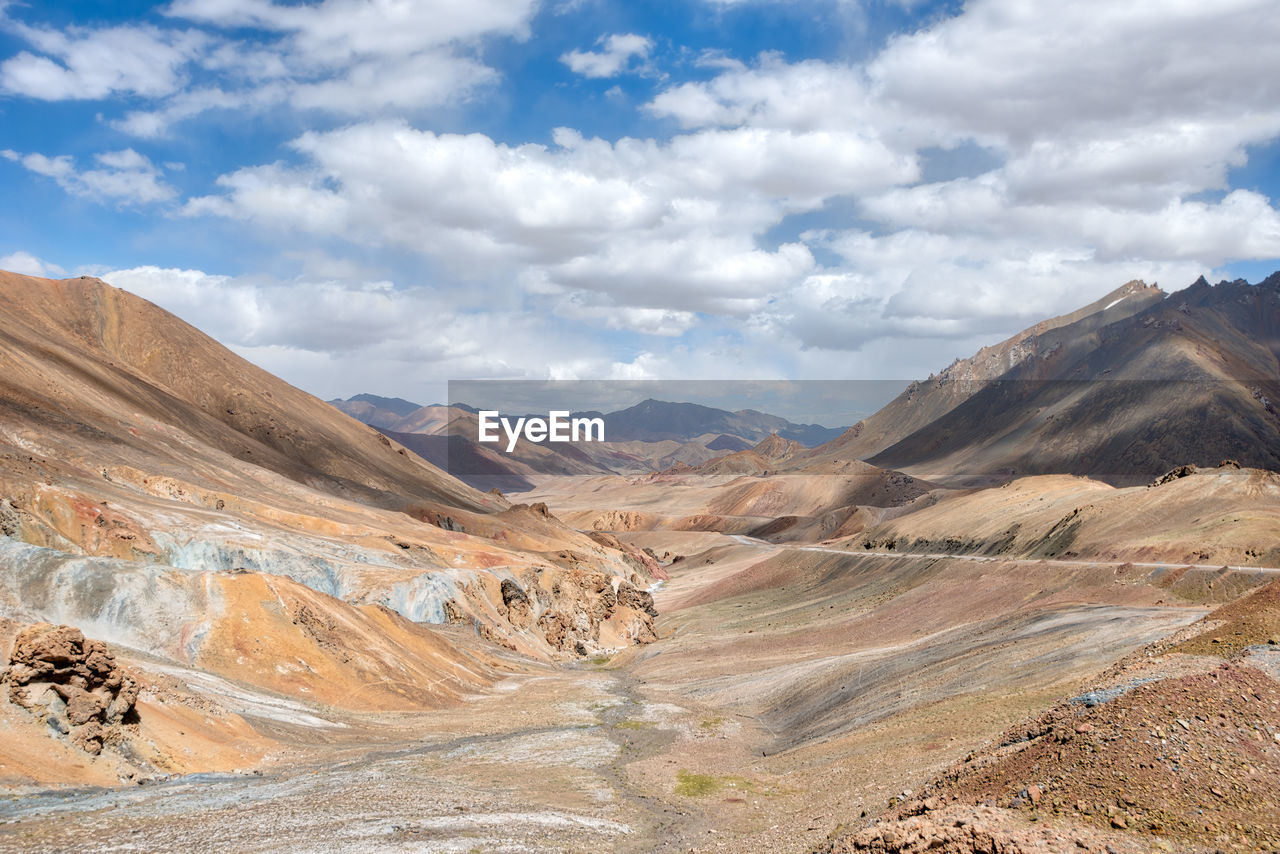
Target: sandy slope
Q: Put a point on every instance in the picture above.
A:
(788, 506)
(167, 496)
(1215, 516)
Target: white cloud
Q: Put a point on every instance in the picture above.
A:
(1108, 136)
(94, 64)
(1023, 72)
(654, 226)
(150, 124)
(399, 83)
(335, 31)
(800, 96)
(30, 265)
(619, 50)
(335, 337)
(603, 314)
(1243, 224)
(349, 57)
(1084, 183)
(125, 177)
(1108, 123)
(912, 295)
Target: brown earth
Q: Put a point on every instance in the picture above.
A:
(1224, 515)
(126, 433)
(1172, 749)
(74, 684)
(787, 507)
(163, 495)
(789, 695)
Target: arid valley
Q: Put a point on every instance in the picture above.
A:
(743, 426)
(236, 618)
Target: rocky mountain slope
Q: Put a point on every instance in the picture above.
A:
(375, 410)
(1122, 390)
(1221, 515)
(159, 492)
(1172, 746)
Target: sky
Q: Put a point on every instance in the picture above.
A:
(385, 195)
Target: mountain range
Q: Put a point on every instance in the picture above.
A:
(1124, 389)
(1051, 560)
(650, 436)
(647, 421)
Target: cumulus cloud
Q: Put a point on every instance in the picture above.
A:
(124, 177)
(92, 64)
(653, 225)
(615, 57)
(349, 57)
(772, 93)
(1076, 184)
(358, 57)
(780, 205)
(333, 31)
(331, 335)
(1113, 130)
(30, 265)
(662, 322)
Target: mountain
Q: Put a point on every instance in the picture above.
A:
(772, 452)
(650, 436)
(923, 402)
(647, 421)
(724, 442)
(1122, 390)
(376, 411)
(126, 435)
(658, 420)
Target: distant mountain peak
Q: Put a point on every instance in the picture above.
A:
(1131, 382)
(375, 410)
(398, 405)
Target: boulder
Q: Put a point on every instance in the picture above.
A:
(74, 684)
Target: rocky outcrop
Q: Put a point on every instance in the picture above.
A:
(920, 834)
(575, 611)
(644, 559)
(952, 828)
(73, 683)
(1174, 474)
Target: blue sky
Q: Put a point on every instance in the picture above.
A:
(383, 195)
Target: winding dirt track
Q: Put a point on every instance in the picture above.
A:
(752, 541)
